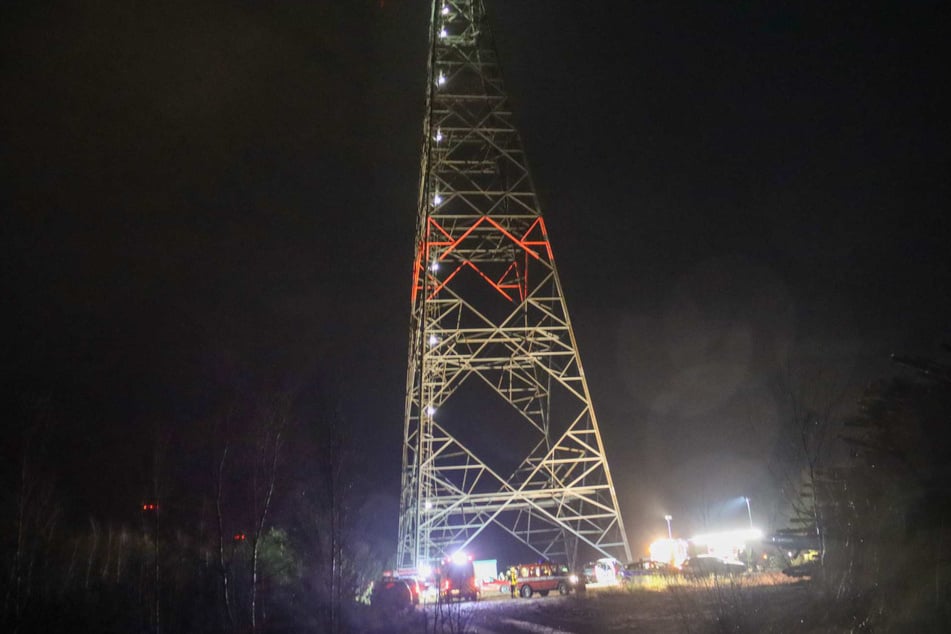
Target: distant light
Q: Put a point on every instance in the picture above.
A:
(459, 557)
(438, 135)
(433, 340)
(445, 10)
(425, 570)
(727, 543)
(669, 551)
(737, 536)
(437, 199)
(443, 33)
(434, 266)
(430, 410)
(441, 80)
(428, 505)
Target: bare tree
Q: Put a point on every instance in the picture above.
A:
(224, 566)
(811, 408)
(35, 512)
(336, 520)
(271, 425)
(93, 547)
(155, 508)
(892, 522)
(247, 450)
(702, 503)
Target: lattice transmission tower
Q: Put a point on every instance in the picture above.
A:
(522, 452)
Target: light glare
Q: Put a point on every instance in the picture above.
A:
(669, 551)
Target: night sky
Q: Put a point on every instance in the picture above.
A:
(202, 195)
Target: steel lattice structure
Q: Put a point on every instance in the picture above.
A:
(487, 306)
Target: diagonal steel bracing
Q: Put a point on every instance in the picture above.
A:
(488, 309)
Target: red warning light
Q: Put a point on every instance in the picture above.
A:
(240, 537)
(149, 506)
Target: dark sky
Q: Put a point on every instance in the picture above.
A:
(202, 194)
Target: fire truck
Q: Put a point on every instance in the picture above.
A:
(456, 579)
(544, 578)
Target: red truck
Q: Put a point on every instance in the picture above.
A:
(544, 578)
(456, 579)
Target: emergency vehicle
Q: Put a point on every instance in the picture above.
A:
(544, 578)
(456, 579)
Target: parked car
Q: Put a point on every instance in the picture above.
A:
(646, 567)
(606, 571)
(416, 588)
(392, 594)
(806, 569)
(706, 565)
(498, 585)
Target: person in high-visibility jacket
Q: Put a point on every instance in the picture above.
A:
(513, 581)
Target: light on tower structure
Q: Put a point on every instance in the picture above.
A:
(513, 371)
